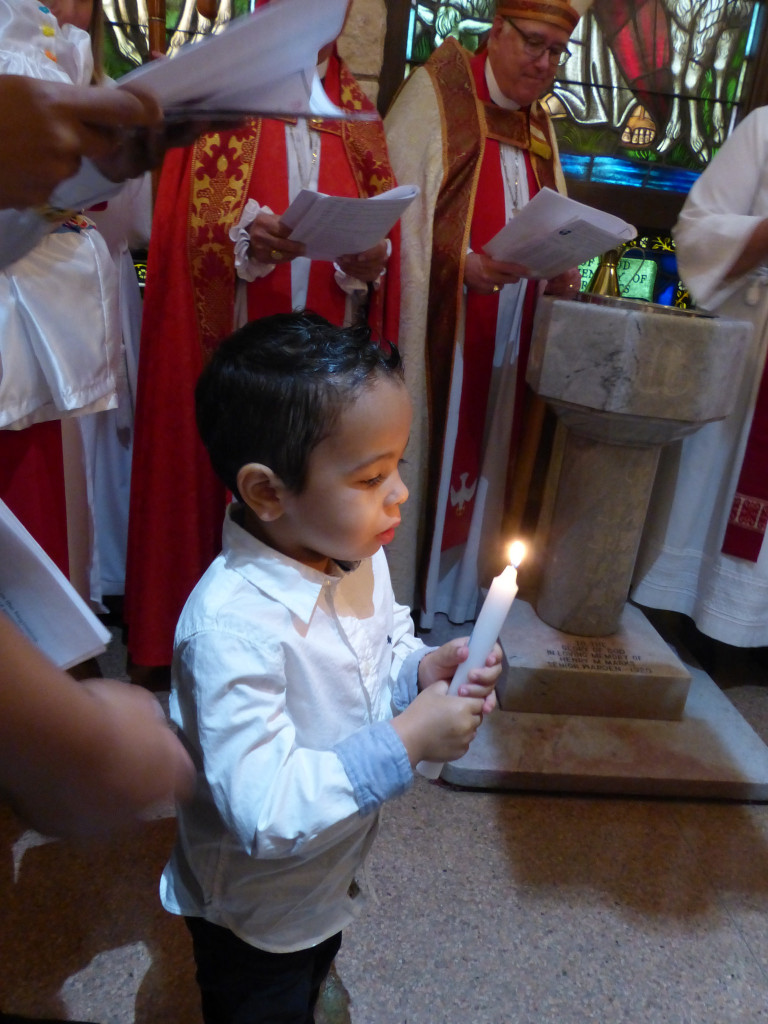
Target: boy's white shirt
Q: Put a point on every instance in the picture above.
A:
(292, 772)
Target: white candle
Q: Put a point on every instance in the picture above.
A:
(492, 616)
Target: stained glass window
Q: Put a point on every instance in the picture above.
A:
(647, 270)
(127, 42)
(650, 92)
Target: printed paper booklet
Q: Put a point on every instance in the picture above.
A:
(553, 233)
(39, 599)
(333, 226)
(260, 63)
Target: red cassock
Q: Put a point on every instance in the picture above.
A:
(488, 217)
(32, 485)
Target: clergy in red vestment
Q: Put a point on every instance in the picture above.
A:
(219, 256)
(470, 132)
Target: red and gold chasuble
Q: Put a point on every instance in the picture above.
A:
(251, 162)
(177, 503)
(469, 211)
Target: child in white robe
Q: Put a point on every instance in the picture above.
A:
(62, 340)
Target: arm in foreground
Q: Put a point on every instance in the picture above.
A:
(54, 126)
(80, 759)
(722, 232)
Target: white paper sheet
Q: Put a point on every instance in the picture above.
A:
(39, 599)
(261, 63)
(553, 233)
(333, 226)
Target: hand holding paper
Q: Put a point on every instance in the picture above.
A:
(38, 598)
(369, 265)
(270, 240)
(552, 233)
(333, 226)
(484, 275)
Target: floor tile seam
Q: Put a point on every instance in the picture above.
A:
(761, 967)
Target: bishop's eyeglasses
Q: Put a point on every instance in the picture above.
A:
(533, 47)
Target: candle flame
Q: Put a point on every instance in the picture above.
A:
(516, 552)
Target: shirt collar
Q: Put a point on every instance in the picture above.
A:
(293, 584)
(497, 95)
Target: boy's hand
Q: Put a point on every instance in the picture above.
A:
(436, 727)
(442, 663)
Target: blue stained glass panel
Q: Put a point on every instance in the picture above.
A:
(618, 171)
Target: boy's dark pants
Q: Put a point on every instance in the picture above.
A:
(240, 984)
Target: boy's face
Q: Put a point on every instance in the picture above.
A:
(350, 505)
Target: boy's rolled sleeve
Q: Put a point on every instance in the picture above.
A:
(376, 764)
(405, 687)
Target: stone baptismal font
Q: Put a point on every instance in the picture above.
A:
(592, 699)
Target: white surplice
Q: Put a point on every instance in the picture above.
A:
(108, 436)
(680, 566)
(60, 338)
(61, 353)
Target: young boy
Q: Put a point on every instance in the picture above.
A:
(289, 656)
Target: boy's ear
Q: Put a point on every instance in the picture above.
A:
(261, 490)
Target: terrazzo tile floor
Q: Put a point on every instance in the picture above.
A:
(490, 908)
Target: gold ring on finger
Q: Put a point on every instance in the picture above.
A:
(275, 255)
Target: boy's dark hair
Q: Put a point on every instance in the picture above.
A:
(273, 390)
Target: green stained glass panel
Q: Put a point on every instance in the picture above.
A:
(637, 276)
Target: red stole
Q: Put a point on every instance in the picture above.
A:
(251, 161)
(176, 504)
(488, 217)
(468, 125)
(749, 512)
(272, 294)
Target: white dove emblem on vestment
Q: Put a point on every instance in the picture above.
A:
(464, 494)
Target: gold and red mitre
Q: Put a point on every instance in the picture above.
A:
(561, 13)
